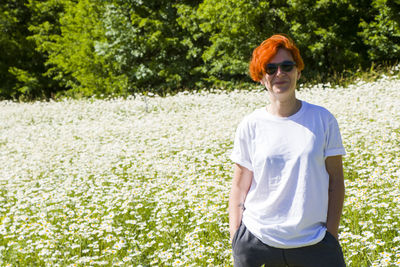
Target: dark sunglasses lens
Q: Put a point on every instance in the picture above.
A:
(271, 68)
(287, 67)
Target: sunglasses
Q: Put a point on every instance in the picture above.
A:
(286, 66)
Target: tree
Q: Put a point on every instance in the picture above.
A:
(21, 66)
(121, 47)
(381, 31)
(145, 42)
(230, 30)
(70, 46)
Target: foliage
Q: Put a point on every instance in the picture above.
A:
(115, 47)
(326, 32)
(229, 30)
(382, 33)
(21, 66)
(71, 49)
(144, 40)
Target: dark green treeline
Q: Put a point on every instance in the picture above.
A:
(122, 47)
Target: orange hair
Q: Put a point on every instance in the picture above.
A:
(267, 50)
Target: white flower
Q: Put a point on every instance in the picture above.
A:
(126, 183)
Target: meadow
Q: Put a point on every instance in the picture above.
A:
(145, 181)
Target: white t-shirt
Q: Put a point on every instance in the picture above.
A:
(287, 204)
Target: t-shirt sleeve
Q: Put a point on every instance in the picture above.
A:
(241, 153)
(333, 142)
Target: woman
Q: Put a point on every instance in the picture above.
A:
(288, 189)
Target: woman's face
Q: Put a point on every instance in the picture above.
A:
(281, 84)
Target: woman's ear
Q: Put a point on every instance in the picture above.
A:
(298, 75)
(262, 80)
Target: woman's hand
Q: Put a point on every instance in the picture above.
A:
(334, 168)
(242, 178)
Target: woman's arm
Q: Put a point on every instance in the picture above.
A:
(334, 168)
(241, 183)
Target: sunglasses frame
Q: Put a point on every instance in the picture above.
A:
(285, 66)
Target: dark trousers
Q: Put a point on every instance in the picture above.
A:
(249, 251)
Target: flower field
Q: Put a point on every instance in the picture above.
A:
(145, 181)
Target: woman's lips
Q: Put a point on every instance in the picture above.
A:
(280, 82)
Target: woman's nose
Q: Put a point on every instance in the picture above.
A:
(279, 71)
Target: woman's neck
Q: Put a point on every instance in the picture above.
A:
(284, 108)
